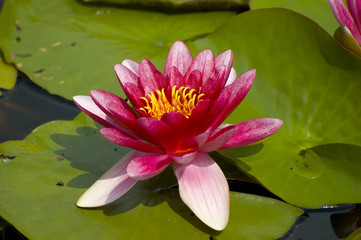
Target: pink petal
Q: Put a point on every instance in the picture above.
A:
(111, 186)
(125, 75)
(198, 140)
(219, 139)
(87, 105)
(185, 158)
(204, 189)
(225, 59)
(253, 131)
(344, 17)
(204, 63)
(232, 76)
(144, 167)
(132, 66)
(150, 78)
(180, 57)
(117, 137)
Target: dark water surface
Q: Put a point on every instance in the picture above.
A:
(28, 106)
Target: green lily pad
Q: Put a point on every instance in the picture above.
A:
(7, 75)
(73, 55)
(317, 10)
(52, 167)
(305, 78)
(180, 4)
(355, 235)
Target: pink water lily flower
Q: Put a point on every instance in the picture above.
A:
(351, 18)
(175, 118)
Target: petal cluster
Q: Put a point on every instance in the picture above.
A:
(350, 17)
(175, 118)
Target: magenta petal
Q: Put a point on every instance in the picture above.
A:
(214, 84)
(132, 66)
(230, 98)
(87, 105)
(204, 63)
(144, 167)
(204, 189)
(123, 113)
(197, 117)
(344, 17)
(354, 7)
(221, 79)
(175, 78)
(134, 94)
(180, 57)
(177, 121)
(225, 59)
(103, 99)
(117, 137)
(253, 131)
(219, 139)
(215, 110)
(111, 186)
(150, 78)
(194, 80)
(130, 83)
(162, 133)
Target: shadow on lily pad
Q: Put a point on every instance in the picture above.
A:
(89, 152)
(154, 191)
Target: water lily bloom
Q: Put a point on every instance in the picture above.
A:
(175, 119)
(351, 18)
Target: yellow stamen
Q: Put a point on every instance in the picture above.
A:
(182, 100)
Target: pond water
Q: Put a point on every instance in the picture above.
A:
(29, 106)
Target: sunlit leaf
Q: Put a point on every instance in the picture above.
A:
(7, 75)
(308, 80)
(317, 10)
(70, 48)
(355, 235)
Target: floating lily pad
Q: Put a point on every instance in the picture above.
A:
(305, 78)
(43, 176)
(70, 48)
(192, 5)
(7, 75)
(355, 235)
(318, 10)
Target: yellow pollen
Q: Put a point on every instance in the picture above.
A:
(182, 100)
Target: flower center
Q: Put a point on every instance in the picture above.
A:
(182, 100)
